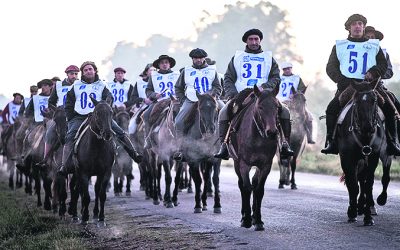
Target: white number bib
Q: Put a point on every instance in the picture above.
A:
(119, 92)
(83, 103)
(62, 93)
(141, 87)
(199, 80)
(285, 87)
(39, 104)
(164, 83)
(13, 112)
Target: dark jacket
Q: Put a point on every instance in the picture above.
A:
(333, 67)
(180, 85)
(53, 99)
(230, 76)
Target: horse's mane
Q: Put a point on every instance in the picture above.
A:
(157, 109)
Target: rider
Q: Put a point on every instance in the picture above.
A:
(247, 68)
(9, 114)
(39, 102)
(160, 86)
(139, 98)
(57, 98)
(121, 89)
(78, 106)
(288, 79)
(197, 78)
(342, 69)
(33, 90)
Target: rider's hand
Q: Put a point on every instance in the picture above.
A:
(368, 77)
(158, 96)
(147, 101)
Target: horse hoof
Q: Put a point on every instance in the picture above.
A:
(190, 190)
(382, 198)
(369, 222)
(293, 186)
(217, 210)
(197, 210)
(176, 203)
(258, 227)
(147, 197)
(101, 224)
(128, 193)
(75, 219)
(281, 186)
(156, 202)
(204, 208)
(47, 206)
(169, 205)
(246, 224)
(352, 220)
(373, 210)
(210, 194)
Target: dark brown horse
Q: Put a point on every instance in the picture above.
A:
(361, 137)
(253, 142)
(94, 156)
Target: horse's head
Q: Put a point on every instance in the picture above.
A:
(365, 107)
(266, 111)
(102, 118)
(208, 113)
(122, 117)
(297, 104)
(60, 119)
(175, 105)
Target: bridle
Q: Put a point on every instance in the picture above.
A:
(95, 120)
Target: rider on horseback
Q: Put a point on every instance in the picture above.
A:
(342, 69)
(33, 89)
(78, 106)
(243, 73)
(121, 89)
(57, 98)
(160, 87)
(198, 78)
(9, 114)
(288, 79)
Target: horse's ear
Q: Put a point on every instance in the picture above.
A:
(95, 102)
(292, 92)
(172, 98)
(275, 91)
(109, 100)
(256, 90)
(52, 107)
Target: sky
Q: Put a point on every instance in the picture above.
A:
(41, 38)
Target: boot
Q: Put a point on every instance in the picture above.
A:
(393, 147)
(128, 146)
(223, 127)
(286, 151)
(178, 155)
(67, 151)
(330, 144)
(309, 130)
(47, 149)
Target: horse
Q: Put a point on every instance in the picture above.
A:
(297, 107)
(11, 154)
(253, 142)
(199, 145)
(360, 139)
(164, 147)
(123, 163)
(94, 156)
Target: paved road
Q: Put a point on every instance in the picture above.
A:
(312, 217)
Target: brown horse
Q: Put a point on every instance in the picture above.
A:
(253, 142)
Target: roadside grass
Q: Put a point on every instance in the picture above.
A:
(25, 227)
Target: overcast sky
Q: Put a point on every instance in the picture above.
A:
(40, 38)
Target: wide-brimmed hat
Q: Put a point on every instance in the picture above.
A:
(15, 94)
(198, 53)
(354, 18)
(378, 34)
(44, 82)
(252, 32)
(119, 69)
(171, 60)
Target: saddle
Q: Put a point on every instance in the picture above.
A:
(190, 118)
(238, 106)
(79, 134)
(160, 108)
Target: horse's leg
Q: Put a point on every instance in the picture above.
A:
(103, 197)
(369, 183)
(189, 185)
(11, 167)
(242, 171)
(38, 184)
(282, 174)
(195, 173)
(205, 167)
(349, 167)
(97, 185)
(75, 189)
(215, 179)
(47, 190)
(19, 178)
(85, 196)
(178, 182)
(115, 180)
(168, 180)
(128, 185)
(258, 193)
(159, 170)
(386, 164)
(60, 189)
(209, 183)
(293, 166)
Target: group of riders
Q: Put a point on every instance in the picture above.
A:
(357, 58)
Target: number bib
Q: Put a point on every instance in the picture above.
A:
(141, 87)
(356, 58)
(40, 103)
(285, 87)
(13, 112)
(26, 101)
(62, 93)
(199, 80)
(252, 69)
(164, 83)
(83, 103)
(119, 92)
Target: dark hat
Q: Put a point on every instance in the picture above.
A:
(44, 82)
(88, 63)
(33, 88)
(252, 32)
(209, 61)
(171, 60)
(56, 78)
(119, 69)
(354, 18)
(378, 34)
(15, 94)
(198, 53)
(72, 68)
(148, 66)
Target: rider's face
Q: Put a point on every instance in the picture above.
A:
(198, 61)
(253, 42)
(72, 76)
(357, 29)
(164, 64)
(89, 72)
(119, 76)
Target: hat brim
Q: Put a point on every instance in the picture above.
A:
(171, 60)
